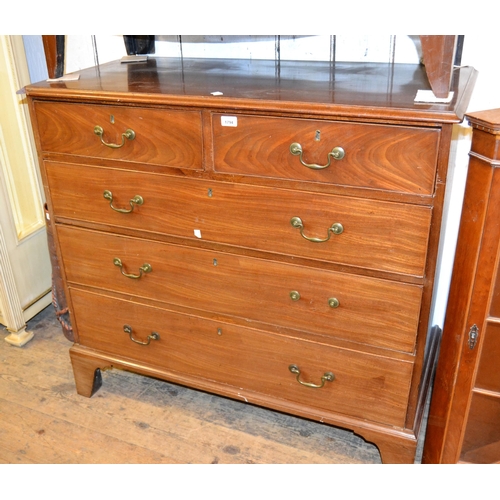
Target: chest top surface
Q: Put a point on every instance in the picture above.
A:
(368, 90)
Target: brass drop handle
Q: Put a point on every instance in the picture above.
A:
(145, 268)
(327, 377)
(153, 336)
(336, 153)
(136, 200)
(128, 134)
(335, 228)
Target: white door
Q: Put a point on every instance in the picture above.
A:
(25, 271)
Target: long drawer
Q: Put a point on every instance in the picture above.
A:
(360, 309)
(166, 138)
(364, 386)
(393, 158)
(357, 232)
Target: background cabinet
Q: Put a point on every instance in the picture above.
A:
(464, 419)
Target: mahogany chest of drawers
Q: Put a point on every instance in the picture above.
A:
(267, 233)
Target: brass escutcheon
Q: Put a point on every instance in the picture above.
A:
(473, 336)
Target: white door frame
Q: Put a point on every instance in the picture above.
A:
(25, 271)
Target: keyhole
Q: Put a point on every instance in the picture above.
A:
(111, 119)
(210, 193)
(318, 135)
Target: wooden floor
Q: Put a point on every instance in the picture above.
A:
(140, 420)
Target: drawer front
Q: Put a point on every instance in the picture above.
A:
(376, 235)
(162, 137)
(364, 386)
(364, 310)
(392, 158)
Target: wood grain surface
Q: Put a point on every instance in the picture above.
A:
(246, 360)
(376, 156)
(169, 139)
(390, 237)
(370, 311)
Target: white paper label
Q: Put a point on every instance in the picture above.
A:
(229, 121)
(197, 233)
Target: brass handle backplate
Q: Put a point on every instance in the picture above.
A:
(136, 200)
(128, 134)
(327, 377)
(145, 268)
(335, 228)
(336, 153)
(153, 336)
(333, 303)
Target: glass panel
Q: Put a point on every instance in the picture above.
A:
(495, 299)
(482, 436)
(488, 375)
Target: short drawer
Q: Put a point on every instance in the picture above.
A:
(384, 157)
(160, 137)
(365, 310)
(364, 386)
(369, 234)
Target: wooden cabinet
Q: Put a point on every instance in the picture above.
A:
(464, 418)
(265, 235)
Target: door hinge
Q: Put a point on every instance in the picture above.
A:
(473, 335)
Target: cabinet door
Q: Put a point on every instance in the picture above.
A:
(481, 443)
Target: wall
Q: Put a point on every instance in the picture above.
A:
(486, 95)
(80, 49)
(80, 53)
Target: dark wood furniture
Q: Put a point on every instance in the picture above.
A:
(464, 418)
(439, 53)
(267, 237)
(54, 49)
